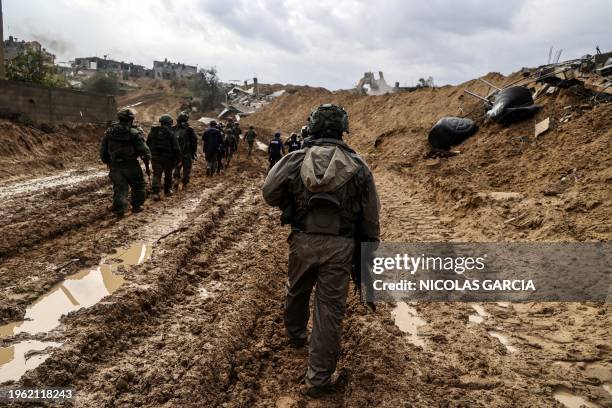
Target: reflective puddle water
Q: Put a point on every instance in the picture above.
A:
(408, 321)
(480, 315)
(571, 400)
(81, 290)
(63, 179)
(16, 360)
(503, 340)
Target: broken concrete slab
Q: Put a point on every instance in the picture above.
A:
(542, 127)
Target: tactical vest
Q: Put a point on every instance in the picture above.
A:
(122, 145)
(161, 140)
(331, 213)
(181, 135)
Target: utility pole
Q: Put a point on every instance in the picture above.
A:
(2, 74)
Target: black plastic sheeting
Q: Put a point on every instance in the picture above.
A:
(513, 104)
(451, 131)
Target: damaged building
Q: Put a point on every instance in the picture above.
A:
(13, 48)
(170, 70)
(121, 69)
(369, 85)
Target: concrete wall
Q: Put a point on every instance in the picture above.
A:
(53, 105)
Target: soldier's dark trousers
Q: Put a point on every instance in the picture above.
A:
(211, 163)
(184, 167)
(250, 149)
(324, 262)
(123, 178)
(165, 167)
(273, 160)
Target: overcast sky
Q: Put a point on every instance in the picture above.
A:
(319, 43)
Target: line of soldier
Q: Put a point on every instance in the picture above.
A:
(171, 150)
(276, 147)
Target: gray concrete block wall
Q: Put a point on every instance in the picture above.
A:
(54, 105)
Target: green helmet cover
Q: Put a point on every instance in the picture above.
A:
(166, 119)
(328, 119)
(182, 117)
(126, 115)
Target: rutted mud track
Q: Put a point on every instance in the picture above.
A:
(200, 323)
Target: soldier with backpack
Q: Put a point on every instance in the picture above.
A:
(188, 142)
(231, 145)
(327, 193)
(121, 146)
(250, 137)
(165, 152)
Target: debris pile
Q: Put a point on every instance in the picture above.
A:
(244, 102)
(369, 85)
(588, 77)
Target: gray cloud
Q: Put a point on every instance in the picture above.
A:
(320, 43)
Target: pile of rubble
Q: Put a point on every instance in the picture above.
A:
(243, 102)
(588, 77)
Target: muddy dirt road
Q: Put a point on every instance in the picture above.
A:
(181, 305)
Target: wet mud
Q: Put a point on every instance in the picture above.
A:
(191, 314)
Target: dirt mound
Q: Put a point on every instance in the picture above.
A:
(554, 187)
(25, 150)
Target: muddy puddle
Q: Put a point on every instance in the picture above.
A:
(16, 360)
(503, 339)
(67, 178)
(409, 321)
(571, 400)
(83, 289)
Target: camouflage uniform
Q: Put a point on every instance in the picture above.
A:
(121, 146)
(250, 137)
(188, 143)
(165, 152)
(327, 194)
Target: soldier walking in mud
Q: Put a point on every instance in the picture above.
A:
(276, 150)
(327, 193)
(231, 145)
(212, 139)
(188, 142)
(237, 132)
(121, 146)
(250, 137)
(165, 152)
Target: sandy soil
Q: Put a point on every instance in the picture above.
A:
(199, 323)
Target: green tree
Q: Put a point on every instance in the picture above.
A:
(207, 88)
(105, 83)
(30, 67)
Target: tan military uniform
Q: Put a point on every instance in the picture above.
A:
(318, 257)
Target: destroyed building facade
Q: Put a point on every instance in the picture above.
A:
(13, 48)
(121, 69)
(369, 85)
(170, 70)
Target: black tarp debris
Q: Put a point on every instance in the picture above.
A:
(513, 104)
(451, 131)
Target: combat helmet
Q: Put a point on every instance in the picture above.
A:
(328, 120)
(166, 119)
(126, 115)
(183, 117)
